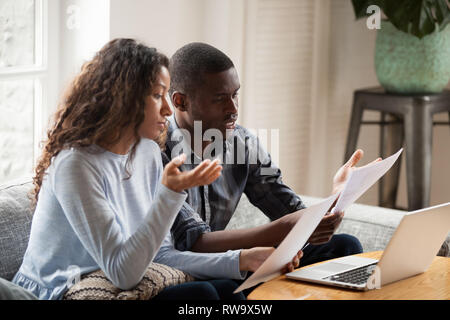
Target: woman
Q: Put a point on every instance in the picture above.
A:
(102, 197)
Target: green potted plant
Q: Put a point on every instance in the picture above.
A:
(412, 51)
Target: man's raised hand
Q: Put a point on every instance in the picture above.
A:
(343, 173)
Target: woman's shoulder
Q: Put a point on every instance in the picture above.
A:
(93, 159)
(74, 160)
(150, 145)
(149, 149)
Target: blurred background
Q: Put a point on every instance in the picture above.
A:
(299, 62)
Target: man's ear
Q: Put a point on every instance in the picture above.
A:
(179, 101)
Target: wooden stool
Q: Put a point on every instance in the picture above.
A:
(405, 119)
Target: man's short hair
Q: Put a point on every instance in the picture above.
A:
(189, 63)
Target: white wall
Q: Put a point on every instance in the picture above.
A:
(165, 25)
(168, 25)
(79, 28)
(84, 29)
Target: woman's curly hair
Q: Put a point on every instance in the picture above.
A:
(107, 97)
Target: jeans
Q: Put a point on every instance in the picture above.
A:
(340, 245)
(202, 290)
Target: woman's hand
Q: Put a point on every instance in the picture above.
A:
(295, 263)
(252, 259)
(205, 173)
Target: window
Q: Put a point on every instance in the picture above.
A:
(23, 74)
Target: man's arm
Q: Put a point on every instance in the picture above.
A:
(265, 188)
(190, 232)
(267, 235)
(187, 228)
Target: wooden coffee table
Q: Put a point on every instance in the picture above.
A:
(434, 284)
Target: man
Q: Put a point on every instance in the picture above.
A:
(204, 93)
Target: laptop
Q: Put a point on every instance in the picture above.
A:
(410, 251)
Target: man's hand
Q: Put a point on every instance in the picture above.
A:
(252, 259)
(324, 231)
(330, 222)
(326, 228)
(205, 173)
(341, 176)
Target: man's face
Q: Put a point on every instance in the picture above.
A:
(215, 101)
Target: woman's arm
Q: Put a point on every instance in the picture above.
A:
(201, 265)
(232, 264)
(78, 189)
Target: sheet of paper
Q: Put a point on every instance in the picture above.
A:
(358, 182)
(362, 179)
(292, 243)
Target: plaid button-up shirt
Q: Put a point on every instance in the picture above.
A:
(247, 168)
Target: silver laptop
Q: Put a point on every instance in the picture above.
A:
(410, 251)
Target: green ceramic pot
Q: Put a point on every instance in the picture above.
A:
(407, 64)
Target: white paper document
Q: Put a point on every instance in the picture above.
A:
(288, 248)
(358, 182)
(361, 179)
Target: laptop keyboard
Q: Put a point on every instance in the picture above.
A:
(356, 276)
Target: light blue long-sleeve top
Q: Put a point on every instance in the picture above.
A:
(88, 217)
(215, 265)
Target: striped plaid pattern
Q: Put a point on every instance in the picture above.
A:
(96, 286)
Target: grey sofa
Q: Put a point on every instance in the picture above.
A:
(372, 225)
(15, 225)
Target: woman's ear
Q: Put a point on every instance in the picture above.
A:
(179, 101)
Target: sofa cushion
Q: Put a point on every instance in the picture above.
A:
(15, 225)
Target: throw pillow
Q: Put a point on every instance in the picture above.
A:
(96, 286)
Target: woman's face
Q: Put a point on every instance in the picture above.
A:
(157, 107)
